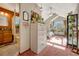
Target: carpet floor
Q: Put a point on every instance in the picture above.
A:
(56, 46)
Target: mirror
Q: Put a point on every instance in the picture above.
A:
(17, 23)
(25, 15)
(3, 20)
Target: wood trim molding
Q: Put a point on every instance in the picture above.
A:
(8, 11)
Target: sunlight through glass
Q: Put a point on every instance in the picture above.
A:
(49, 44)
(58, 40)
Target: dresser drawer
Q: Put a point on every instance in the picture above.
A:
(7, 35)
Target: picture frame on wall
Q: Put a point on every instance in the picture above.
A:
(34, 17)
(25, 16)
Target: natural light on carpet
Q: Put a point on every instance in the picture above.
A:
(56, 46)
(57, 42)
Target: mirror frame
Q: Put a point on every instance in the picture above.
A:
(25, 14)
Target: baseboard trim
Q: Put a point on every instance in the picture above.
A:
(23, 52)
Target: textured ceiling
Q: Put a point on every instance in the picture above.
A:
(62, 9)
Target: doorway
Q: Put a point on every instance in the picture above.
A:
(57, 33)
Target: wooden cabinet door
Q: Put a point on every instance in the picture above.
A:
(7, 36)
(1, 37)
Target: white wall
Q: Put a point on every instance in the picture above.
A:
(76, 11)
(48, 21)
(25, 31)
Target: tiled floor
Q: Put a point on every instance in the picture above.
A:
(56, 46)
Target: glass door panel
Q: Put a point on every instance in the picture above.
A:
(72, 30)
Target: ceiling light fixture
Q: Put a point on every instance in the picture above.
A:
(2, 13)
(6, 14)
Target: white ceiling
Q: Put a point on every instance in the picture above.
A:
(10, 6)
(62, 9)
